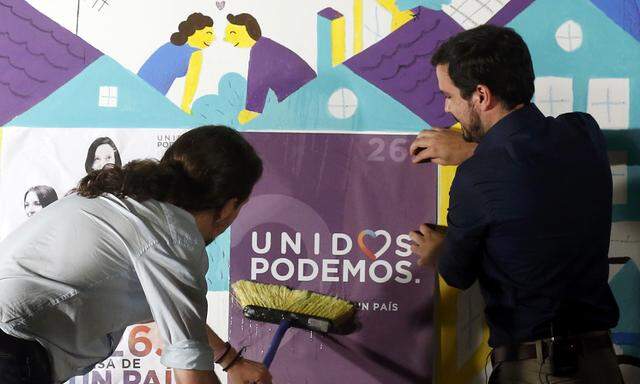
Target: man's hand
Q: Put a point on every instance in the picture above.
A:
(442, 146)
(426, 244)
(248, 372)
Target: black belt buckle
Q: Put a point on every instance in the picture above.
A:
(563, 356)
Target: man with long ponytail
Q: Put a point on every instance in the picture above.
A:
(127, 247)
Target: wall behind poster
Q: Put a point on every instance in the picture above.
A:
(69, 75)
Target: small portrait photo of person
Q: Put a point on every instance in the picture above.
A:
(37, 198)
(101, 152)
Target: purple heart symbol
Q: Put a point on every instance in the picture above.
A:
(220, 4)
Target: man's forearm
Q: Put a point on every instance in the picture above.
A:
(215, 342)
(191, 376)
(219, 347)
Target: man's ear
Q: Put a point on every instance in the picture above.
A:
(484, 98)
(228, 210)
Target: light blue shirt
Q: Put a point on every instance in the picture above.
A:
(80, 271)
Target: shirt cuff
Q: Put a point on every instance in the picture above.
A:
(188, 354)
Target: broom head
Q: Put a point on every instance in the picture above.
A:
(304, 309)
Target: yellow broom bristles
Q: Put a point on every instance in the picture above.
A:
(291, 300)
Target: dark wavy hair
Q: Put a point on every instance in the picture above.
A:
(493, 56)
(202, 170)
(195, 22)
(91, 152)
(46, 194)
(249, 22)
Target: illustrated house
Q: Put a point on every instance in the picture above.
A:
(568, 76)
(389, 86)
(50, 77)
(400, 64)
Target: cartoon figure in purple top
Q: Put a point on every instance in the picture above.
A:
(182, 56)
(271, 65)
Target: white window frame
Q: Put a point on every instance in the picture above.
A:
(569, 36)
(608, 102)
(108, 96)
(620, 175)
(472, 13)
(554, 95)
(348, 110)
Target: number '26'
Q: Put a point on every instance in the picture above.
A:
(398, 150)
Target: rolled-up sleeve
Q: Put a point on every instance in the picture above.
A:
(172, 276)
(463, 247)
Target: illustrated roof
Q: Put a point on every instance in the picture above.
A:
(37, 56)
(400, 64)
(625, 13)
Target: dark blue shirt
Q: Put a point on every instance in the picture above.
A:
(530, 218)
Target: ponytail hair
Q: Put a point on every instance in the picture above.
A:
(202, 170)
(195, 22)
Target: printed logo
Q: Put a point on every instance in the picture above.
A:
(368, 252)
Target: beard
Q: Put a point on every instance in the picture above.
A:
(472, 132)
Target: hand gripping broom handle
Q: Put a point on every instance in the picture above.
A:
(285, 324)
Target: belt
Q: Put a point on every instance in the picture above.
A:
(539, 349)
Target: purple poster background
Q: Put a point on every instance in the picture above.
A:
(358, 186)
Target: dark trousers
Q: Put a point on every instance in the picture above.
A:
(595, 366)
(23, 361)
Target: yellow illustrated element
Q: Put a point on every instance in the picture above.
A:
(448, 370)
(398, 17)
(338, 41)
(238, 36)
(358, 26)
(191, 81)
(201, 39)
(246, 116)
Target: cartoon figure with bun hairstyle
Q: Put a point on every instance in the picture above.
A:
(180, 57)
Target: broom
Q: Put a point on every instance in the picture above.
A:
(288, 308)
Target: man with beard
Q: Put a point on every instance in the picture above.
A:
(529, 215)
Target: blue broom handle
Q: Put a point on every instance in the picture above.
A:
(275, 342)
